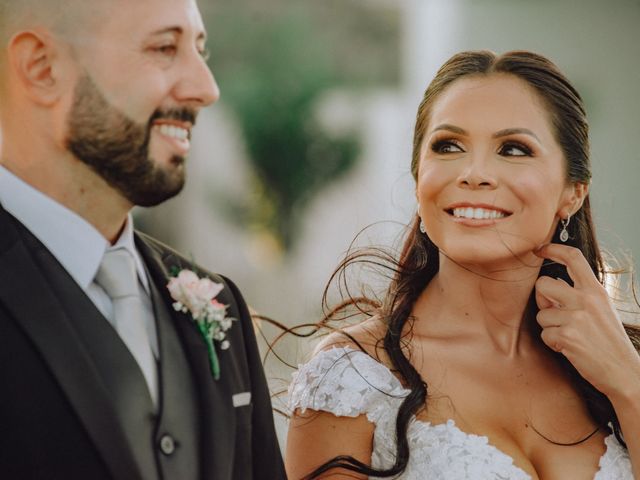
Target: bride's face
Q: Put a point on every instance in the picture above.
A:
(492, 177)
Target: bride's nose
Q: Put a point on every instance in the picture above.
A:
(477, 172)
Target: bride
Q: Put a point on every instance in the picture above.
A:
(496, 353)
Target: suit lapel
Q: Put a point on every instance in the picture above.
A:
(217, 424)
(28, 298)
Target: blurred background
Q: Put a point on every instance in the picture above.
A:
(311, 140)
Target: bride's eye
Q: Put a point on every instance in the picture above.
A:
(446, 146)
(515, 149)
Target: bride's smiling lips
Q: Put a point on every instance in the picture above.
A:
(476, 214)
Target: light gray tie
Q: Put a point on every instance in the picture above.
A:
(118, 277)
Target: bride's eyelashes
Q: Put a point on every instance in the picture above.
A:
(509, 148)
(515, 149)
(445, 146)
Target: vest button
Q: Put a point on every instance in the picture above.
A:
(167, 444)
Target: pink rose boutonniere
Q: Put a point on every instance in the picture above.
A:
(196, 296)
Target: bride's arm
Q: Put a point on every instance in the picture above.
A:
(317, 437)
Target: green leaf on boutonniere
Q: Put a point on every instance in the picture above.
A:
(196, 296)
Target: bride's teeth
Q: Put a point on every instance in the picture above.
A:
(477, 213)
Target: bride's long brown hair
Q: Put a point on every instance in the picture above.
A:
(418, 261)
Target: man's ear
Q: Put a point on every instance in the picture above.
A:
(33, 58)
(574, 198)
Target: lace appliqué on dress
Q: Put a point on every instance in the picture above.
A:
(349, 382)
(615, 464)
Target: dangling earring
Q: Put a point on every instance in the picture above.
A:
(422, 229)
(564, 234)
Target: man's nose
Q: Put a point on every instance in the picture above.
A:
(196, 85)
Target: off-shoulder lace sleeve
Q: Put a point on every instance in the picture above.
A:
(615, 464)
(345, 382)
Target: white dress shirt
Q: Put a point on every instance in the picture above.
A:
(76, 244)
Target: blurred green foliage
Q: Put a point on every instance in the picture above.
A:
(273, 60)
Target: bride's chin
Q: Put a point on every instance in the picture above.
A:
(488, 263)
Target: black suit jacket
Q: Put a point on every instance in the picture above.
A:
(56, 418)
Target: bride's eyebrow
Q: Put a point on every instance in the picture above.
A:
(502, 133)
(512, 131)
(450, 128)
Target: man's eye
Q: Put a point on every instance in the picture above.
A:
(511, 149)
(446, 146)
(166, 49)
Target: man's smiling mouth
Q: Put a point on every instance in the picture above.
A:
(179, 131)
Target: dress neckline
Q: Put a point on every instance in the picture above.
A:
(451, 424)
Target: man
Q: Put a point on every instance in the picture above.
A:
(101, 378)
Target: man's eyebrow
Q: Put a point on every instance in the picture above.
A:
(513, 131)
(179, 31)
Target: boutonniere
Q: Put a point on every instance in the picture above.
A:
(197, 296)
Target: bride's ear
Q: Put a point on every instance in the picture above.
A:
(573, 199)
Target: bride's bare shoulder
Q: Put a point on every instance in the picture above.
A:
(367, 335)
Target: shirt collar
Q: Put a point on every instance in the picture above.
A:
(75, 243)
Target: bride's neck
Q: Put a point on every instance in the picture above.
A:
(487, 304)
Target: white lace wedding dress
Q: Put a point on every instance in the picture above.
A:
(350, 383)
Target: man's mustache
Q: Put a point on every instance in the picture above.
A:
(184, 114)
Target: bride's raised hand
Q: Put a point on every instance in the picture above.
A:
(581, 323)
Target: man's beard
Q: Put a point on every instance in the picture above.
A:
(117, 148)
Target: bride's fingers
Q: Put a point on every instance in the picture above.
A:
(577, 266)
(556, 293)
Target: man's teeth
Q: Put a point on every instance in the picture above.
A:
(173, 131)
(477, 213)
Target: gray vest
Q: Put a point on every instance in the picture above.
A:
(164, 442)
